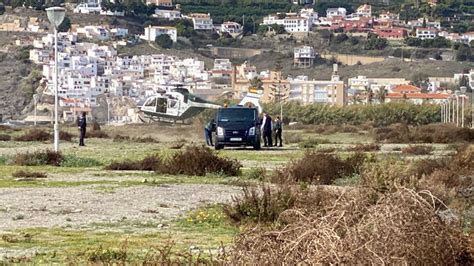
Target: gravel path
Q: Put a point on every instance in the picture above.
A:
(83, 205)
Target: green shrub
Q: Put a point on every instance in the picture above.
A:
(378, 114)
(257, 173)
(260, 205)
(3, 160)
(74, 161)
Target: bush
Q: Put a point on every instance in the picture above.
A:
(193, 160)
(376, 114)
(417, 150)
(260, 205)
(35, 135)
(149, 163)
(74, 161)
(120, 138)
(357, 228)
(98, 134)
(365, 147)
(318, 168)
(434, 133)
(164, 41)
(28, 174)
(66, 136)
(292, 138)
(47, 157)
(200, 160)
(4, 137)
(309, 143)
(258, 173)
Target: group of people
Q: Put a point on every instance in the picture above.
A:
(268, 128)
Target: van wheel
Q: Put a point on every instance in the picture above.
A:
(218, 147)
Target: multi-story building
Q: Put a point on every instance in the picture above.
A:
(292, 24)
(151, 32)
(201, 21)
(88, 7)
(95, 32)
(364, 10)
(307, 91)
(310, 14)
(233, 28)
(167, 14)
(426, 33)
(336, 12)
(303, 57)
(167, 3)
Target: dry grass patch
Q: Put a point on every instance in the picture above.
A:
(365, 147)
(5, 137)
(417, 150)
(433, 133)
(29, 174)
(35, 135)
(47, 157)
(357, 227)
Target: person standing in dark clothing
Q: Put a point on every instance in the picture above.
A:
(208, 129)
(81, 125)
(267, 130)
(278, 130)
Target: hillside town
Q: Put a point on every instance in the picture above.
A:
(90, 65)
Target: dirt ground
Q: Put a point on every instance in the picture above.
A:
(83, 206)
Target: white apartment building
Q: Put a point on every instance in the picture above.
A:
(167, 14)
(317, 91)
(168, 3)
(426, 33)
(419, 23)
(222, 64)
(151, 32)
(310, 14)
(201, 21)
(94, 32)
(362, 83)
(119, 32)
(231, 27)
(88, 7)
(336, 12)
(291, 24)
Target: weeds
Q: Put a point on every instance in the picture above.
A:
(98, 134)
(47, 157)
(258, 173)
(74, 161)
(28, 174)
(417, 150)
(66, 136)
(318, 168)
(35, 135)
(260, 205)
(119, 138)
(5, 137)
(365, 147)
(433, 133)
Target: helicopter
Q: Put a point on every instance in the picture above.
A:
(177, 104)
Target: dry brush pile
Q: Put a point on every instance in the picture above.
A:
(401, 212)
(432, 133)
(401, 227)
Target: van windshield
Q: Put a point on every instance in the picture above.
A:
(237, 115)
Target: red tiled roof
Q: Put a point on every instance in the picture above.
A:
(402, 88)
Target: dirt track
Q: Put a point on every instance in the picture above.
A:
(84, 205)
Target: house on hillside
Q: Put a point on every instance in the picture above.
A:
(291, 23)
(426, 33)
(394, 33)
(151, 32)
(303, 57)
(167, 14)
(168, 3)
(364, 10)
(201, 21)
(233, 28)
(88, 7)
(336, 12)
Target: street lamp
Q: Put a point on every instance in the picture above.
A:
(449, 110)
(35, 101)
(56, 17)
(463, 94)
(456, 94)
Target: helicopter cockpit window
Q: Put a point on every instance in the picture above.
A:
(161, 106)
(151, 102)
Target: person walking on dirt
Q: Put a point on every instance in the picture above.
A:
(208, 129)
(267, 130)
(277, 127)
(81, 125)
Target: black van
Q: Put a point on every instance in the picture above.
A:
(237, 126)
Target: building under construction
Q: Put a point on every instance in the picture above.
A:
(304, 57)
